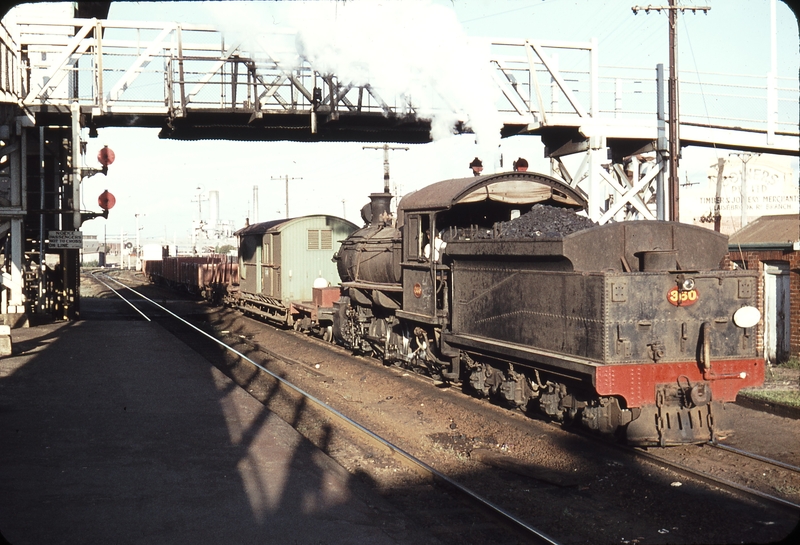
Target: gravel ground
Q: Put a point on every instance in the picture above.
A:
(576, 490)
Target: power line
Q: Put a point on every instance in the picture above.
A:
(286, 179)
(672, 85)
(499, 13)
(386, 148)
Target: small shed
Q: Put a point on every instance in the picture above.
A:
(771, 245)
(281, 259)
(93, 252)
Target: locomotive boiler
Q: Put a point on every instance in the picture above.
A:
(634, 328)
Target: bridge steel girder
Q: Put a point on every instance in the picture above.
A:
(614, 192)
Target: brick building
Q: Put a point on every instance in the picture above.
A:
(771, 245)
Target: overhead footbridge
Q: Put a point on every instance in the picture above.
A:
(62, 79)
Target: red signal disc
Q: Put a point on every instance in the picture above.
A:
(106, 200)
(106, 156)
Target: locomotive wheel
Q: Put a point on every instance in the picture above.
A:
(327, 334)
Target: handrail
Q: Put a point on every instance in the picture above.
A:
(142, 68)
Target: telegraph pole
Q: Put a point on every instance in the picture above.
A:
(718, 195)
(672, 87)
(138, 246)
(386, 148)
(199, 200)
(255, 204)
(196, 230)
(286, 179)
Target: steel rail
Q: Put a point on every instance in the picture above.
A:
(710, 479)
(686, 471)
(94, 275)
(411, 461)
(758, 457)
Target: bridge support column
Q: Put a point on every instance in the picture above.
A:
(597, 156)
(12, 210)
(619, 184)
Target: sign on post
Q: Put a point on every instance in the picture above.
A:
(66, 240)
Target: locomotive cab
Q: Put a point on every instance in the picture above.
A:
(466, 208)
(396, 279)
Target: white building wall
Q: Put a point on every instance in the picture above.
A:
(771, 189)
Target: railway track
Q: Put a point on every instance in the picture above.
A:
(777, 463)
(525, 531)
(576, 498)
(736, 484)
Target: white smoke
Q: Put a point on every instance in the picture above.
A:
(411, 50)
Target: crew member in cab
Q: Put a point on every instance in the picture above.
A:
(438, 247)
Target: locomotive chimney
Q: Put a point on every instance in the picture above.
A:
(378, 210)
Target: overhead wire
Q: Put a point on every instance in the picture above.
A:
(646, 28)
(599, 22)
(700, 86)
(498, 14)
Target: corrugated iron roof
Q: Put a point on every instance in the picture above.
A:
(260, 228)
(281, 224)
(775, 230)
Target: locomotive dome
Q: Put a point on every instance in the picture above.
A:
(509, 187)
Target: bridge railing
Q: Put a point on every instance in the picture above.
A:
(11, 81)
(154, 68)
(143, 68)
(569, 84)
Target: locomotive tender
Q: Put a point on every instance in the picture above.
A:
(631, 328)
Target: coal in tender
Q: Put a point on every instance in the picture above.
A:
(543, 221)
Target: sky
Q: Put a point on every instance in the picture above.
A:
(410, 44)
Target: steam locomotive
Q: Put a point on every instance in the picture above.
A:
(631, 328)
(497, 284)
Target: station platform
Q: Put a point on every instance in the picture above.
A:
(112, 431)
